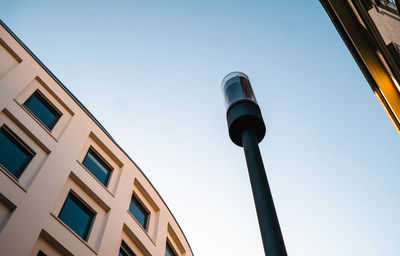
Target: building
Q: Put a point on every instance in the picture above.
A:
(66, 187)
(371, 31)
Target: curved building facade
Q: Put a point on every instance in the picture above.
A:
(66, 187)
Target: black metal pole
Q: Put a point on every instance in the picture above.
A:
(267, 219)
(247, 129)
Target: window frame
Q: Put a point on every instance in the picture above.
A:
(47, 103)
(388, 6)
(101, 160)
(22, 146)
(83, 206)
(126, 249)
(134, 198)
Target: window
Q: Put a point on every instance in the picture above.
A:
(40, 253)
(125, 250)
(97, 166)
(138, 211)
(389, 5)
(14, 154)
(76, 215)
(42, 110)
(169, 251)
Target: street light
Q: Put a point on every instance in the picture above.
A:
(247, 129)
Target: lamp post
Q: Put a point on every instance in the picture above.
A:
(247, 129)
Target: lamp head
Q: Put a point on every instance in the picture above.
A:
(243, 111)
(236, 87)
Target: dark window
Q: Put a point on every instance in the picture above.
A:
(169, 251)
(125, 250)
(138, 211)
(390, 5)
(14, 154)
(41, 108)
(76, 215)
(97, 166)
(40, 253)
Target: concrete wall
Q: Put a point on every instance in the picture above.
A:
(29, 206)
(387, 23)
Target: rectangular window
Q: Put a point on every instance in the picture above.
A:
(76, 215)
(389, 5)
(97, 166)
(40, 253)
(125, 250)
(139, 212)
(169, 251)
(14, 154)
(42, 110)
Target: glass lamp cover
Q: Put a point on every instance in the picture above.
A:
(236, 87)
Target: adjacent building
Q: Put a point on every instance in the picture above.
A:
(371, 31)
(66, 187)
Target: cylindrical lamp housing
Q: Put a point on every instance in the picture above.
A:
(243, 111)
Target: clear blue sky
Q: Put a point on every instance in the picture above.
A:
(150, 72)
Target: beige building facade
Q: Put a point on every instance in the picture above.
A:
(371, 31)
(66, 187)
